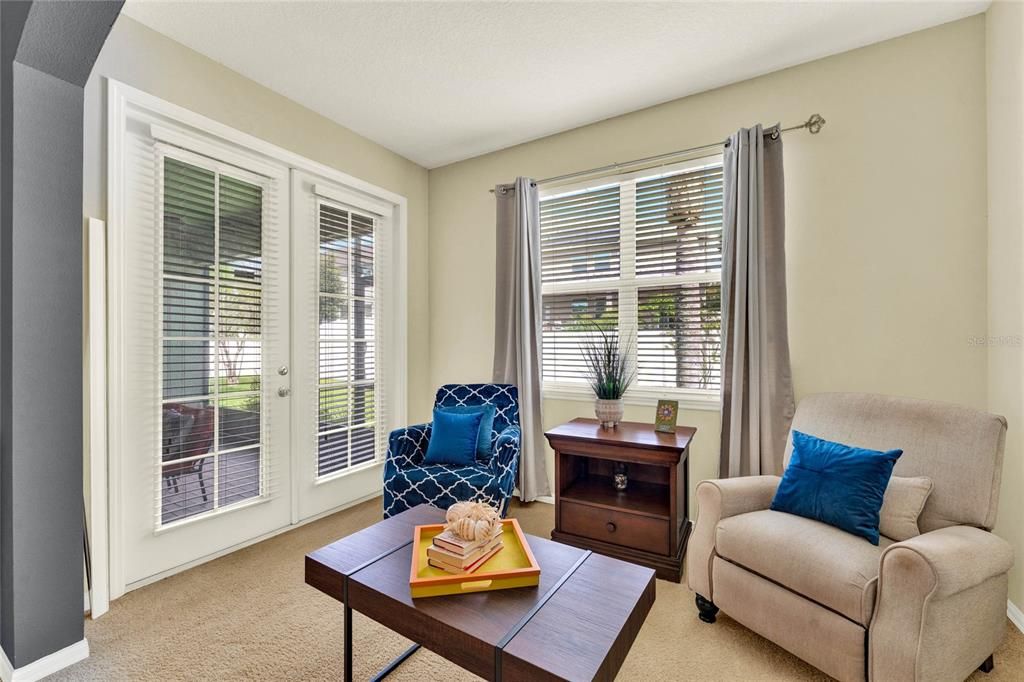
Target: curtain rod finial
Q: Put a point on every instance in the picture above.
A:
(815, 123)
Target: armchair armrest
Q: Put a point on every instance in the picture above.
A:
(506, 449)
(719, 499)
(407, 446)
(941, 604)
(957, 558)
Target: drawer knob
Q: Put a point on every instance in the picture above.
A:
(610, 526)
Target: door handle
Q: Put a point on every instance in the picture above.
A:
(284, 392)
(283, 370)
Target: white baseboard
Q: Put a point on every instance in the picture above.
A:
(1015, 615)
(47, 665)
(242, 545)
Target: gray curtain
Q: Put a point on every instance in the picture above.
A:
(517, 315)
(757, 384)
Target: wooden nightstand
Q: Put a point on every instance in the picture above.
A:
(647, 523)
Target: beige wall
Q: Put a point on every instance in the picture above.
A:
(1005, 51)
(149, 61)
(888, 263)
(886, 214)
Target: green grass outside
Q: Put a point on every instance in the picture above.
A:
(243, 384)
(334, 402)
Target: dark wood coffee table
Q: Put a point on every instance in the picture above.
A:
(578, 624)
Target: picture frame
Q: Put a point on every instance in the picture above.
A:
(665, 416)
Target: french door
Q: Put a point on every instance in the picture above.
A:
(251, 306)
(209, 413)
(342, 327)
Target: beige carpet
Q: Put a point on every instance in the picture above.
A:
(250, 616)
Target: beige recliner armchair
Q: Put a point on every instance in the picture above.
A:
(929, 608)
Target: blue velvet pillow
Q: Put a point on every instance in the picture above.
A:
(483, 443)
(837, 484)
(453, 438)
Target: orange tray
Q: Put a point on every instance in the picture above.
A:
(513, 566)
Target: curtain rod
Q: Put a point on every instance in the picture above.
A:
(813, 124)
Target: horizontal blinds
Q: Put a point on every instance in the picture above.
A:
(569, 322)
(678, 336)
(212, 418)
(641, 257)
(679, 223)
(579, 235)
(348, 396)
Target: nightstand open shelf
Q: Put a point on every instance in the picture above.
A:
(644, 499)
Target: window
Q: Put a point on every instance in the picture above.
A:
(639, 256)
(347, 341)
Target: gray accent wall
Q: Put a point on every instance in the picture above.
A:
(48, 52)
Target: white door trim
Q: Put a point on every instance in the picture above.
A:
(122, 93)
(213, 138)
(96, 413)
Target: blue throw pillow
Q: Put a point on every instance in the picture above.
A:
(837, 484)
(453, 438)
(483, 443)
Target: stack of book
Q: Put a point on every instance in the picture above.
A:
(453, 554)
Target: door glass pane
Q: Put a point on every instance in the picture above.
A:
(347, 340)
(239, 421)
(188, 220)
(332, 452)
(334, 406)
(362, 255)
(238, 476)
(362, 444)
(188, 308)
(335, 253)
(186, 489)
(188, 368)
(212, 346)
(187, 429)
(361, 413)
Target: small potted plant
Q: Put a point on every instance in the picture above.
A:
(610, 375)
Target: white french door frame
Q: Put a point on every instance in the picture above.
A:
(181, 127)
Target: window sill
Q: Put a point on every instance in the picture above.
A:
(647, 397)
(162, 528)
(335, 475)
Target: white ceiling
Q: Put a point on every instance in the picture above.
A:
(439, 82)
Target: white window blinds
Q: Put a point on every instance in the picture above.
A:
(679, 223)
(580, 238)
(570, 320)
(350, 427)
(642, 257)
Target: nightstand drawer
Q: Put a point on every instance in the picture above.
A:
(615, 527)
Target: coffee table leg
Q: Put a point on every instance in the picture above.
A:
(348, 643)
(390, 667)
(386, 670)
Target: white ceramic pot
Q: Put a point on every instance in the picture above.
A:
(609, 412)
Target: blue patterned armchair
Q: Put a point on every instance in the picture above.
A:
(407, 482)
